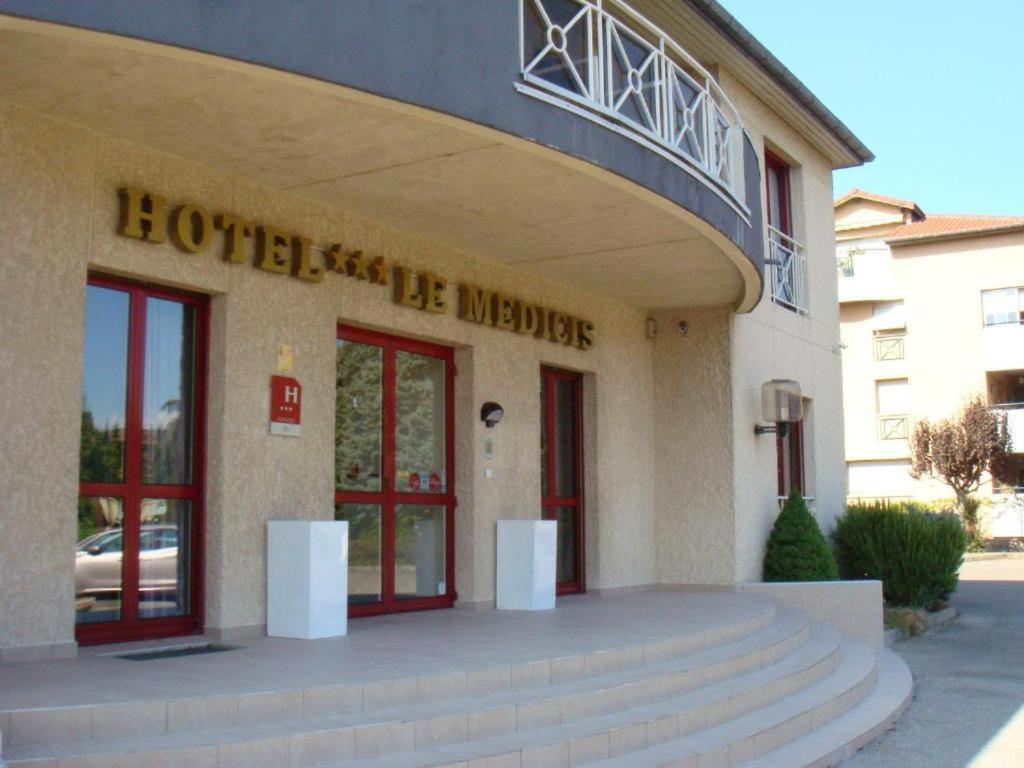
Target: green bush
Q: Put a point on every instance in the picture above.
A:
(796, 549)
(915, 554)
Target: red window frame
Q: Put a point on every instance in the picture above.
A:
(389, 496)
(793, 444)
(781, 169)
(551, 502)
(132, 490)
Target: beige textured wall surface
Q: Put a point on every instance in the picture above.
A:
(44, 196)
(854, 607)
(945, 360)
(61, 209)
(773, 342)
(694, 444)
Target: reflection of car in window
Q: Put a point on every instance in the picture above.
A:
(98, 561)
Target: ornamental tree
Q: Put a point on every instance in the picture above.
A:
(961, 450)
(797, 551)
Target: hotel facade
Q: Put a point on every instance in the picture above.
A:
(424, 268)
(615, 223)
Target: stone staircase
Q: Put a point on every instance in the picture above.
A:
(773, 691)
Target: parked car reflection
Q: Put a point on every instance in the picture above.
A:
(98, 562)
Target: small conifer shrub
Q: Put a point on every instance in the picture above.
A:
(797, 550)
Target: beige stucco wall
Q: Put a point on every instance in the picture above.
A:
(696, 523)
(773, 342)
(59, 197)
(716, 480)
(947, 352)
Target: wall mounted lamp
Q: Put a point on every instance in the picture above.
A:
(491, 413)
(781, 404)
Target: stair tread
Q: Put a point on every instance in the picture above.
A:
(788, 623)
(859, 661)
(552, 735)
(840, 738)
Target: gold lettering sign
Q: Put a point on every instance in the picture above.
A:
(144, 216)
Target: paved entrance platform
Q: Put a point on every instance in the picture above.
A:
(653, 679)
(397, 646)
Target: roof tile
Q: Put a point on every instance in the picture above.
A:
(951, 224)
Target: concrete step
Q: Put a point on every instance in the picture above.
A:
(830, 745)
(306, 742)
(622, 732)
(111, 721)
(757, 733)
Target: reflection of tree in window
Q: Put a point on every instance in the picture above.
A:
(420, 417)
(357, 426)
(169, 375)
(363, 532)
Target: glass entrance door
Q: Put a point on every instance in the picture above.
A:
(394, 460)
(138, 561)
(561, 470)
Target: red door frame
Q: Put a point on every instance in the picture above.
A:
(389, 496)
(132, 490)
(550, 503)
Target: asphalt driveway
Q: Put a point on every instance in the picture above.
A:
(968, 705)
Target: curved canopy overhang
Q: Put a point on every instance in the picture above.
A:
(641, 232)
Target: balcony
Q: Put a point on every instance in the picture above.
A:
(864, 272)
(1003, 346)
(634, 79)
(788, 266)
(571, 139)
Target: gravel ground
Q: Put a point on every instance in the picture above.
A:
(968, 707)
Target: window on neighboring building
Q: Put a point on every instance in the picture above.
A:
(892, 403)
(846, 260)
(844, 264)
(887, 315)
(786, 255)
(1003, 306)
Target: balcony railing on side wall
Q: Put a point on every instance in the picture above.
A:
(893, 427)
(639, 80)
(788, 271)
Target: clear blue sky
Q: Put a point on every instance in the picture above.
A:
(935, 88)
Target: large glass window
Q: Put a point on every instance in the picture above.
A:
(892, 400)
(393, 452)
(1003, 306)
(136, 571)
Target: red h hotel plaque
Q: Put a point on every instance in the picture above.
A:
(285, 406)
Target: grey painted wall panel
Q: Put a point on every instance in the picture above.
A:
(456, 56)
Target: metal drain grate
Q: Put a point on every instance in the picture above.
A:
(173, 653)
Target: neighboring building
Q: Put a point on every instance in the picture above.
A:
(932, 311)
(412, 209)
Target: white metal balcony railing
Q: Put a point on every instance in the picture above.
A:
(637, 78)
(788, 270)
(893, 427)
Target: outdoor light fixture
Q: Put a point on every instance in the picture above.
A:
(781, 404)
(491, 413)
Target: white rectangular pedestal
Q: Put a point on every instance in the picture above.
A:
(526, 564)
(307, 578)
